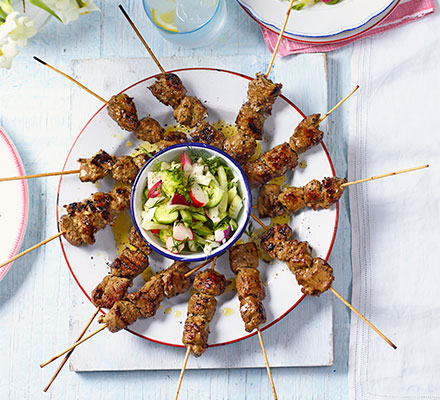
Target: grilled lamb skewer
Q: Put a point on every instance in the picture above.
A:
(273, 202)
(201, 309)
(146, 301)
(84, 219)
(277, 161)
(243, 260)
(314, 274)
(122, 110)
(123, 269)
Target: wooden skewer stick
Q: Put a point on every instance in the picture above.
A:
(259, 221)
(260, 338)
(385, 175)
(347, 303)
(197, 268)
(337, 106)
(280, 36)
(74, 345)
(214, 260)
(16, 178)
(71, 79)
(71, 351)
(32, 248)
(185, 361)
(141, 39)
(363, 318)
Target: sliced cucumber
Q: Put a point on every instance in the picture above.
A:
(235, 207)
(222, 178)
(203, 231)
(233, 224)
(222, 207)
(165, 216)
(164, 234)
(186, 216)
(215, 197)
(199, 217)
(148, 226)
(231, 194)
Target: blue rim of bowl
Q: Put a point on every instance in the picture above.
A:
(260, 20)
(230, 242)
(181, 33)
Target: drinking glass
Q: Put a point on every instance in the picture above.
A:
(187, 23)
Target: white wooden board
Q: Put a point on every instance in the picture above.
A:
(304, 337)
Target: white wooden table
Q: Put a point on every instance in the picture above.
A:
(34, 297)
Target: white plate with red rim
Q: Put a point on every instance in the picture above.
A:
(13, 203)
(227, 91)
(320, 23)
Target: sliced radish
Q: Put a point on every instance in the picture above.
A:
(227, 232)
(180, 232)
(155, 190)
(178, 199)
(155, 231)
(186, 162)
(219, 235)
(198, 196)
(174, 246)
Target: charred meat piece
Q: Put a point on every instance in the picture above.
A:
(111, 289)
(317, 278)
(274, 239)
(299, 257)
(141, 159)
(174, 136)
(149, 130)
(190, 112)
(306, 134)
(241, 148)
(122, 110)
(122, 314)
(292, 199)
(248, 283)
(243, 256)
(201, 310)
(252, 313)
(257, 173)
(206, 133)
(312, 192)
(268, 204)
(165, 284)
(124, 169)
(332, 190)
(262, 93)
(168, 89)
(136, 240)
(129, 264)
(95, 168)
(84, 219)
(250, 122)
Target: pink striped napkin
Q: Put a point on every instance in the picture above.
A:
(406, 11)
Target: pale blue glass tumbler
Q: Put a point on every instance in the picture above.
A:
(198, 36)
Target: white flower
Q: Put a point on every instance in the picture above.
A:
(70, 10)
(8, 50)
(17, 28)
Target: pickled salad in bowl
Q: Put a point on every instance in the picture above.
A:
(300, 4)
(192, 204)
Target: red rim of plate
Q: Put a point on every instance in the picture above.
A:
(24, 190)
(99, 110)
(322, 42)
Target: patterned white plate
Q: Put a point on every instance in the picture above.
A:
(223, 93)
(13, 202)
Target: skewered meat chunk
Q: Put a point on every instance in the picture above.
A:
(272, 164)
(172, 136)
(306, 134)
(122, 109)
(165, 284)
(210, 282)
(250, 122)
(262, 93)
(124, 169)
(122, 314)
(96, 167)
(243, 256)
(84, 219)
(149, 130)
(241, 148)
(268, 204)
(129, 264)
(163, 144)
(190, 112)
(315, 275)
(201, 310)
(292, 199)
(206, 133)
(243, 260)
(317, 278)
(111, 289)
(168, 89)
(136, 240)
(141, 159)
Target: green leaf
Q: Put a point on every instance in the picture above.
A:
(41, 4)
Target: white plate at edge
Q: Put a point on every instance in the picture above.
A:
(88, 264)
(13, 202)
